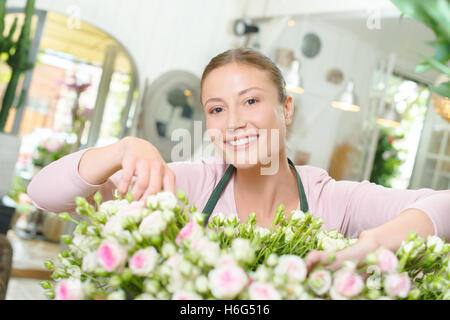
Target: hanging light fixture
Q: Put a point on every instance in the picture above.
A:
(346, 100)
(294, 81)
(391, 118)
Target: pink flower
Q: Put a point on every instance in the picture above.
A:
(397, 285)
(185, 295)
(263, 291)
(320, 281)
(387, 261)
(134, 209)
(190, 231)
(143, 261)
(347, 284)
(112, 256)
(69, 289)
(227, 282)
(293, 266)
(113, 226)
(226, 261)
(209, 251)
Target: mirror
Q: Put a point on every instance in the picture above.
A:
(171, 102)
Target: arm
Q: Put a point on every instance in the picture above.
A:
(378, 216)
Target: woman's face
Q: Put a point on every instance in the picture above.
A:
(244, 117)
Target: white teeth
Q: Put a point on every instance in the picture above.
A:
(242, 141)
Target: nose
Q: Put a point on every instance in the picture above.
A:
(235, 120)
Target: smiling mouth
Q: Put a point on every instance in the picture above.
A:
(242, 143)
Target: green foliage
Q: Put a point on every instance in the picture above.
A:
(386, 163)
(436, 15)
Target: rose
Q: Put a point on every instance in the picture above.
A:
(69, 289)
(261, 233)
(332, 245)
(190, 231)
(135, 209)
(89, 262)
(320, 281)
(153, 225)
(397, 285)
(386, 260)
(292, 266)
(226, 260)
(297, 216)
(167, 200)
(112, 206)
(143, 261)
(263, 291)
(209, 251)
(227, 282)
(113, 226)
(111, 255)
(185, 295)
(242, 251)
(346, 284)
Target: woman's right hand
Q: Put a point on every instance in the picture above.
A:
(141, 159)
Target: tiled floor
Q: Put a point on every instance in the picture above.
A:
(29, 254)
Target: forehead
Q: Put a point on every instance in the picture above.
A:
(235, 77)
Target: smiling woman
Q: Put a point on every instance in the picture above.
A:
(243, 98)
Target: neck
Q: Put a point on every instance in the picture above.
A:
(267, 191)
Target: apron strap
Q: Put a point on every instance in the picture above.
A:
(218, 190)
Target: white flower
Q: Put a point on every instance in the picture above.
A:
(261, 233)
(261, 274)
(218, 218)
(293, 266)
(117, 295)
(435, 243)
(152, 201)
(168, 249)
(167, 200)
(346, 284)
(201, 284)
(263, 291)
(227, 282)
(168, 215)
(289, 234)
(89, 262)
(185, 295)
(272, 260)
(208, 251)
(113, 226)
(144, 261)
(397, 285)
(135, 210)
(373, 282)
(197, 217)
(297, 216)
(407, 247)
(332, 245)
(320, 281)
(242, 251)
(153, 225)
(232, 219)
(144, 296)
(111, 255)
(69, 289)
(111, 207)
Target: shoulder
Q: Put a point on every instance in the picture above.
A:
(313, 175)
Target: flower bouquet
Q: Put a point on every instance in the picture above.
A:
(49, 150)
(162, 250)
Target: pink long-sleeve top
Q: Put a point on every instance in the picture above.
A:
(350, 207)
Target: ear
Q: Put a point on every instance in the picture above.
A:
(288, 109)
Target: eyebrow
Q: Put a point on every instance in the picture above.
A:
(240, 93)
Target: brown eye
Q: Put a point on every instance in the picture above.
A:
(214, 110)
(251, 101)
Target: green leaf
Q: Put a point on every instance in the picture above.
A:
(423, 66)
(443, 89)
(438, 65)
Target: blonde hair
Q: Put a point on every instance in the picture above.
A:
(249, 57)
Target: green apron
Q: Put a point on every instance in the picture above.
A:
(217, 192)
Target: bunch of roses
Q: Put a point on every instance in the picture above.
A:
(161, 250)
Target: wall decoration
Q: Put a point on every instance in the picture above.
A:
(334, 76)
(310, 46)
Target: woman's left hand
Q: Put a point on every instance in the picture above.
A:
(358, 251)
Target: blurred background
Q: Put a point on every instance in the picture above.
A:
(369, 81)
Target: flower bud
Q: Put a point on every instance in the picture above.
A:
(98, 197)
(414, 294)
(168, 215)
(201, 284)
(412, 236)
(46, 284)
(137, 236)
(64, 216)
(181, 194)
(229, 232)
(152, 286)
(50, 294)
(373, 294)
(168, 249)
(129, 197)
(371, 258)
(49, 265)
(272, 260)
(127, 274)
(117, 295)
(115, 281)
(81, 202)
(155, 240)
(66, 239)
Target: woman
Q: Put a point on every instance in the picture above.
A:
(243, 96)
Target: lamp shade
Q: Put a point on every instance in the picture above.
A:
(346, 100)
(391, 118)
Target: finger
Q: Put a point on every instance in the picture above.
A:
(141, 184)
(169, 181)
(315, 257)
(155, 178)
(129, 166)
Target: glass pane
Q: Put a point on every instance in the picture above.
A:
(428, 173)
(445, 167)
(436, 139)
(443, 182)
